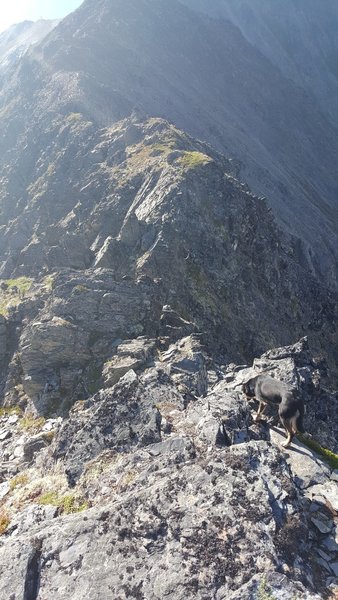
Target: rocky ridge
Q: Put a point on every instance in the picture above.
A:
(135, 265)
(157, 235)
(165, 486)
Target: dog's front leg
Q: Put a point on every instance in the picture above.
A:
(261, 408)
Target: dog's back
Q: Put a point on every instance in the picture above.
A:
(268, 390)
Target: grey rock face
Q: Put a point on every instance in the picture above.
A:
(187, 237)
(178, 273)
(194, 521)
(130, 355)
(187, 366)
(3, 338)
(119, 417)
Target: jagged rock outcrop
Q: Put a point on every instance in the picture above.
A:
(129, 355)
(173, 494)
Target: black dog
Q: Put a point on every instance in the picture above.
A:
(268, 390)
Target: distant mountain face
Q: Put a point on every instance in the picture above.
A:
(298, 37)
(15, 41)
(213, 78)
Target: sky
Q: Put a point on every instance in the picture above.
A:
(15, 11)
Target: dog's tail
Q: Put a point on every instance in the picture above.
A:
(299, 420)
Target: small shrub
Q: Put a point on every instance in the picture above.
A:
(4, 521)
(68, 503)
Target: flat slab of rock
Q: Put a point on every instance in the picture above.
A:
(305, 465)
(130, 354)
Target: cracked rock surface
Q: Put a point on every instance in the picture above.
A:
(158, 491)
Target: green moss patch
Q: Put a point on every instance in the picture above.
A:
(23, 284)
(192, 160)
(329, 457)
(14, 290)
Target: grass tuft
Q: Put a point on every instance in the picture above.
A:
(7, 411)
(31, 423)
(18, 481)
(23, 284)
(68, 503)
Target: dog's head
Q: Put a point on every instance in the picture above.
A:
(248, 388)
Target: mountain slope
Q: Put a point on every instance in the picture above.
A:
(135, 267)
(299, 38)
(202, 74)
(140, 216)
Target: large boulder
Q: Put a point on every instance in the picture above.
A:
(120, 417)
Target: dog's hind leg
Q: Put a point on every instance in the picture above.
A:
(288, 426)
(299, 419)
